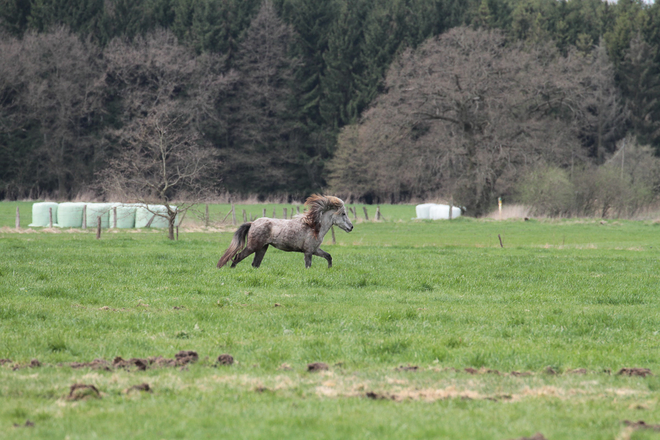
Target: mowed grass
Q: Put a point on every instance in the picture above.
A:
(440, 296)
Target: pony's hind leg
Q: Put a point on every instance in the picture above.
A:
(258, 256)
(321, 253)
(242, 256)
(253, 245)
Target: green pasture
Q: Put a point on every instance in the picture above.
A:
(405, 309)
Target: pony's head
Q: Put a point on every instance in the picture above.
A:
(319, 205)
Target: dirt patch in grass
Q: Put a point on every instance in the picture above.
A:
(141, 387)
(34, 363)
(186, 357)
(376, 396)
(544, 391)
(641, 424)
(181, 359)
(643, 372)
(112, 310)
(427, 394)
(225, 359)
(537, 436)
(483, 370)
(81, 391)
(317, 366)
(28, 424)
(407, 368)
(96, 364)
(139, 364)
(400, 390)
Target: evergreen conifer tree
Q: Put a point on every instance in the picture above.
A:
(640, 82)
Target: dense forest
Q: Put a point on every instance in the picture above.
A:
(377, 100)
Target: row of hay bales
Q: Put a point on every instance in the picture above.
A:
(70, 215)
(434, 211)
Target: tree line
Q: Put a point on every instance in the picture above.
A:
(277, 88)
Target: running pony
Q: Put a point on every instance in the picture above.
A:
(303, 233)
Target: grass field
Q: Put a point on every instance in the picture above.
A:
(429, 330)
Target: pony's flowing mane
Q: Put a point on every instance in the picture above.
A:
(317, 206)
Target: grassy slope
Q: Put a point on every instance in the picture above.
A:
(432, 294)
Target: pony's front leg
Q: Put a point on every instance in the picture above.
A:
(308, 260)
(321, 253)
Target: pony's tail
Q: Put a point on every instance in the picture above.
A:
(236, 245)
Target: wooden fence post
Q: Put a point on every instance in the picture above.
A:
(182, 217)
(264, 213)
(84, 223)
(177, 233)
(114, 219)
(233, 214)
(354, 210)
(298, 209)
(285, 213)
(206, 216)
(377, 212)
(98, 227)
(366, 216)
(451, 207)
(274, 213)
(18, 218)
(50, 217)
(244, 216)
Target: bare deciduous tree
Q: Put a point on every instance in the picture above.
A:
(53, 81)
(161, 159)
(465, 115)
(167, 95)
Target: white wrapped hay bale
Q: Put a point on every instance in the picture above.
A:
(70, 214)
(423, 210)
(40, 214)
(125, 215)
(441, 212)
(156, 212)
(111, 213)
(95, 210)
